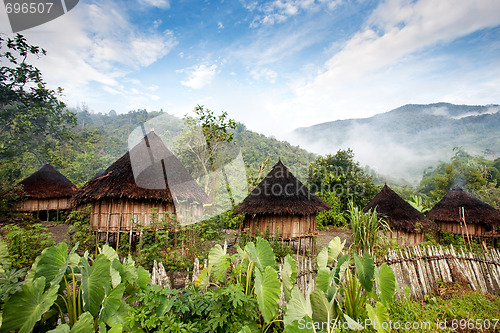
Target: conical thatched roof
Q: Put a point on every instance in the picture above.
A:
(280, 193)
(48, 183)
(150, 162)
(398, 213)
(476, 211)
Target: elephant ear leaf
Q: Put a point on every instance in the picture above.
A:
(365, 268)
(27, 306)
(268, 290)
(52, 264)
(288, 276)
(95, 281)
(386, 284)
(378, 315)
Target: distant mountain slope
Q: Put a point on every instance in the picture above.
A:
(255, 147)
(401, 143)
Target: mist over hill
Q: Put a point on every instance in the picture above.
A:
(403, 142)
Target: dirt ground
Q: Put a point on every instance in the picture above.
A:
(59, 231)
(324, 237)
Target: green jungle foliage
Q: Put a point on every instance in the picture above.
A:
(460, 310)
(25, 242)
(341, 175)
(473, 173)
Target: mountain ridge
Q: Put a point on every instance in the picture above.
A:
(404, 141)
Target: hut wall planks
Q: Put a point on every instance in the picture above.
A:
(33, 205)
(115, 215)
(282, 226)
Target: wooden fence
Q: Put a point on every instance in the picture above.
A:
(422, 269)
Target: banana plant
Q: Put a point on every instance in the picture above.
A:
(85, 294)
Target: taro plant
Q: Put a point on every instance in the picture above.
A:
(254, 269)
(345, 294)
(85, 294)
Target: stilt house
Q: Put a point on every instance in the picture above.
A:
(459, 212)
(147, 179)
(282, 205)
(47, 192)
(408, 225)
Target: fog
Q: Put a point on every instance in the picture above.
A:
(401, 144)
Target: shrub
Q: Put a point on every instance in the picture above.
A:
(25, 243)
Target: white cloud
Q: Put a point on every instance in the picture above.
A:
(264, 73)
(199, 76)
(163, 4)
(380, 64)
(220, 26)
(278, 11)
(96, 43)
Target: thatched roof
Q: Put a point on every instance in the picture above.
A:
(48, 183)
(398, 213)
(140, 175)
(280, 193)
(476, 211)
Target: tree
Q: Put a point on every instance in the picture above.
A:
(32, 118)
(343, 176)
(204, 151)
(463, 170)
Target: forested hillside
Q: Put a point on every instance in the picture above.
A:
(99, 139)
(401, 143)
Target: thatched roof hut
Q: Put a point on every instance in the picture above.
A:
(147, 177)
(47, 190)
(282, 204)
(480, 217)
(408, 225)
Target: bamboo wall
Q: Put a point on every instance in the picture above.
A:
(117, 215)
(475, 229)
(405, 238)
(34, 205)
(285, 226)
(121, 215)
(422, 269)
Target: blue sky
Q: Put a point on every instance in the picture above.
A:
(273, 65)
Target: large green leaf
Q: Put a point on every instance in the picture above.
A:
(268, 290)
(323, 310)
(111, 303)
(323, 279)
(143, 278)
(298, 307)
(261, 253)
(341, 266)
(95, 280)
(84, 325)
(27, 306)
(378, 315)
(218, 262)
(288, 276)
(300, 326)
(53, 263)
(352, 324)
(328, 255)
(118, 318)
(365, 268)
(245, 329)
(4, 257)
(109, 252)
(386, 284)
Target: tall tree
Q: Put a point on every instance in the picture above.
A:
(205, 149)
(342, 175)
(32, 117)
